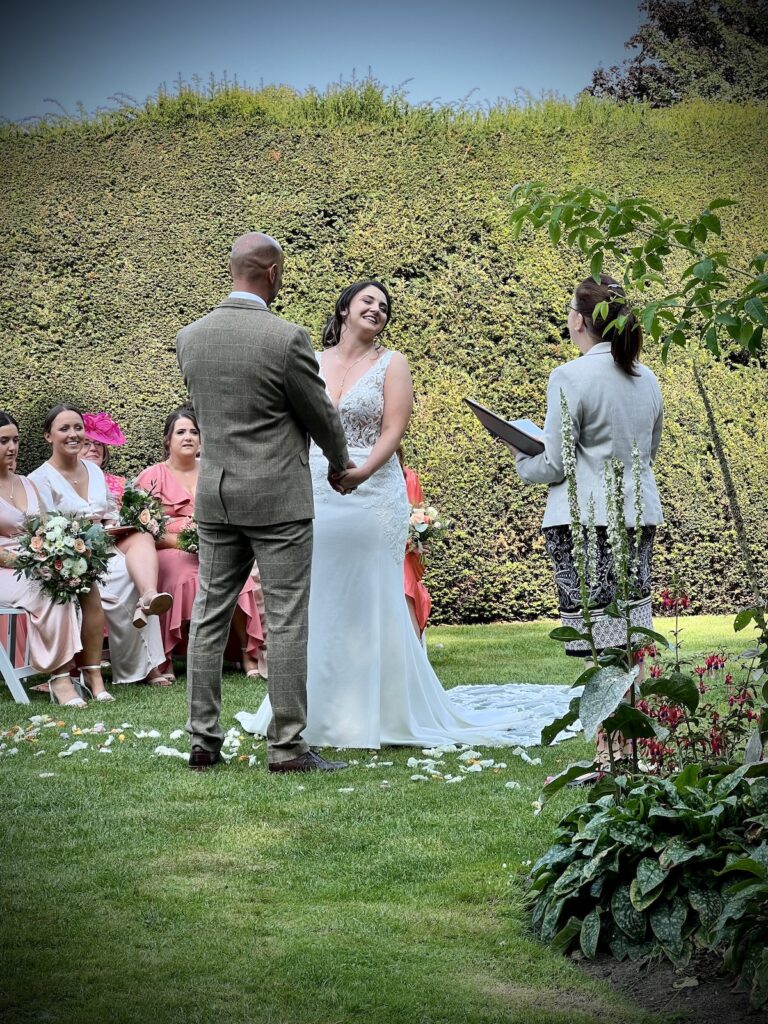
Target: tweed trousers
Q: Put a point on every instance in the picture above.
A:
(283, 552)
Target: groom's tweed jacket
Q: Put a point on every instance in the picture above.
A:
(254, 385)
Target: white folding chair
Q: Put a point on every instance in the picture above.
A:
(12, 675)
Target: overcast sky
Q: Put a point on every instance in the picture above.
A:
(87, 52)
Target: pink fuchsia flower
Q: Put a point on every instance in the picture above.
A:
(656, 671)
(99, 426)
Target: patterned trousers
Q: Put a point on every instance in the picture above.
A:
(283, 552)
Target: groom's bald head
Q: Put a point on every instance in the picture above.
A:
(256, 264)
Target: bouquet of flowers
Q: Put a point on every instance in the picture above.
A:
(187, 539)
(424, 524)
(142, 511)
(64, 554)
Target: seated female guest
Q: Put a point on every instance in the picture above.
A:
(614, 402)
(174, 482)
(102, 432)
(68, 484)
(55, 635)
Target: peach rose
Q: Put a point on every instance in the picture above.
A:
(36, 543)
(79, 546)
(144, 517)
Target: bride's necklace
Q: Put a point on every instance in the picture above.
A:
(365, 355)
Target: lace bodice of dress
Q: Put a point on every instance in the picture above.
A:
(362, 408)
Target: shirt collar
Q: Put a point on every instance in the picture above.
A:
(248, 295)
(600, 348)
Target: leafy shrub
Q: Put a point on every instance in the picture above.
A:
(646, 868)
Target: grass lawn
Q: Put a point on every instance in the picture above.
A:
(136, 890)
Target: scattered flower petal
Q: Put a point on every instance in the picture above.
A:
(77, 745)
(162, 751)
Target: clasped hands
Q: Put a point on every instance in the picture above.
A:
(349, 480)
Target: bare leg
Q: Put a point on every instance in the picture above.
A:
(412, 612)
(141, 561)
(621, 748)
(60, 684)
(240, 629)
(92, 635)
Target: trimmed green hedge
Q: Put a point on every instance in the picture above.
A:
(116, 233)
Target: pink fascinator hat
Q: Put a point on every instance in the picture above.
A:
(99, 426)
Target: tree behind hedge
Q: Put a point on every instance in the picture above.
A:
(706, 49)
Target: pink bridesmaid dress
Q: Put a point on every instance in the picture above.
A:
(53, 629)
(414, 566)
(179, 570)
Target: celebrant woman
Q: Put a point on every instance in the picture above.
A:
(68, 484)
(614, 403)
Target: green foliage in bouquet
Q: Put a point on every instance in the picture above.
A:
(64, 554)
(188, 539)
(141, 510)
(646, 867)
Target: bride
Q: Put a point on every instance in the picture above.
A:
(369, 681)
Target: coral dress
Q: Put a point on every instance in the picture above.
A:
(53, 629)
(414, 566)
(179, 569)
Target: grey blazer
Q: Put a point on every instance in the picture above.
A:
(609, 410)
(254, 385)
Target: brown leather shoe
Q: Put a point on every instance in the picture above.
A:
(200, 759)
(309, 762)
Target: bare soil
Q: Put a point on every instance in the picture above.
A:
(698, 993)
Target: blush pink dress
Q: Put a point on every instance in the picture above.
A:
(53, 629)
(179, 570)
(414, 566)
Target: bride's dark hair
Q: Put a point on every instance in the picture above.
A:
(332, 332)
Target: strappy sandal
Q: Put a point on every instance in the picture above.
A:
(161, 679)
(151, 604)
(102, 698)
(251, 673)
(74, 702)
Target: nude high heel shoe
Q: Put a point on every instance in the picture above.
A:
(74, 702)
(104, 697)
(151, 604)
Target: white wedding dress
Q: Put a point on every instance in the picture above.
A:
(369, 681)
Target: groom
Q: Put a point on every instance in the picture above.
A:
(257, 394)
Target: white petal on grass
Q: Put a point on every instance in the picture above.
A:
(147, 734)
(46, 775)
(419, 778)
(519, 752)
(163, 751)
(471, 768)
(469, 755)
(73, 748)
(346, 789)
(454, 778)
(176, 734)
(512, 784)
